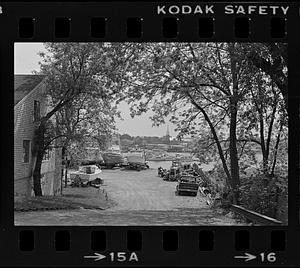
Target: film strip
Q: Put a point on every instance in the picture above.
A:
(237, 60)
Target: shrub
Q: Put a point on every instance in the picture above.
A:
(260, 193)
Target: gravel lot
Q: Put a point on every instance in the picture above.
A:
(141, 198)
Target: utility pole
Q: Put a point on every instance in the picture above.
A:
(144, 148)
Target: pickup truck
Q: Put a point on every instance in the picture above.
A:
(187, 184)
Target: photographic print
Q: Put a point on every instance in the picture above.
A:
(148, 134)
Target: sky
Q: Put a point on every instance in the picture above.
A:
(26, 61)
(141, 125)
(27, 58)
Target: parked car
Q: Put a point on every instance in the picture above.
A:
(187, 184)
(95, 183)
(84, 175)
(176, 163)
(166, 174)
(174, 174)
(160, 172)
(186, 166)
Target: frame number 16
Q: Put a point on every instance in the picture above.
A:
(269, 257)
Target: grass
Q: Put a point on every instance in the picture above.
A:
(72, 198)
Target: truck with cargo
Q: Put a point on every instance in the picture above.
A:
(136, 161)
(187, 184)
(112, 159)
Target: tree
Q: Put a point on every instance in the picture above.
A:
(87, 118)
(72, 71)
(271, 58)
(263, 115)
(195, 80)
(206, 85)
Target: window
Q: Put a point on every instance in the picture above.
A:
(36, 111)
(26, 149)
(47, 154)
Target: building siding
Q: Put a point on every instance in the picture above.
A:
(24, 130)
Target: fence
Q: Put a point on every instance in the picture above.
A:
(254, 216)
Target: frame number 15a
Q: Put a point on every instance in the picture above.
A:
(123, 256)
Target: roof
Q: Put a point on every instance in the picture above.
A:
(25, 83)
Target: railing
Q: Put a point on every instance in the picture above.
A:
(254, 216)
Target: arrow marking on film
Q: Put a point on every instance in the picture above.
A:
(96, 257)
(247, 257)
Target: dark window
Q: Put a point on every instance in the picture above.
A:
(170, 27)
(26, 27)
(170, 240)
(98, 27)
(134, 240)
(26, 147)
(62, 27)
(26, 240)
(134, 27)
(206, 240)
(36, 111)
(206, 27)
(98, 240)
(62, 240)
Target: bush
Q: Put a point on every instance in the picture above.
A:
(261, 193)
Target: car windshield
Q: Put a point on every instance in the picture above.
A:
(82, 169)
(188, 179)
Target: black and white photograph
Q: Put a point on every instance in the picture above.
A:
(150, 134)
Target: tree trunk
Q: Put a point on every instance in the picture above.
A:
(270, 130)
(39, 140)
(234, 162)
(66, 176)
(262, 144)
(220, 150)
(37, 188)
(276, 149)
(64, 156)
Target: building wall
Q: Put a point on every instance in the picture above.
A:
(24, 130)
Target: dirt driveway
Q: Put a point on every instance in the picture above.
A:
(144, 190)
(142, 198)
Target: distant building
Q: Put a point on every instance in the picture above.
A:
(167, 137)
(187, 139)
(115, 143)
(30, 104)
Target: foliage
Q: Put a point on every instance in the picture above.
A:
(230, 97)
(79, 92)
(261, 194)
(215, 92)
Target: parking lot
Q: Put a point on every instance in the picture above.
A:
(141, 198)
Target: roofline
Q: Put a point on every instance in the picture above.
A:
(31, 74)
(26, 96)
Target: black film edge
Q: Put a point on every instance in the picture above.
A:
(203, 169)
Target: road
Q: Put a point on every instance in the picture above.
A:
(142, 198)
